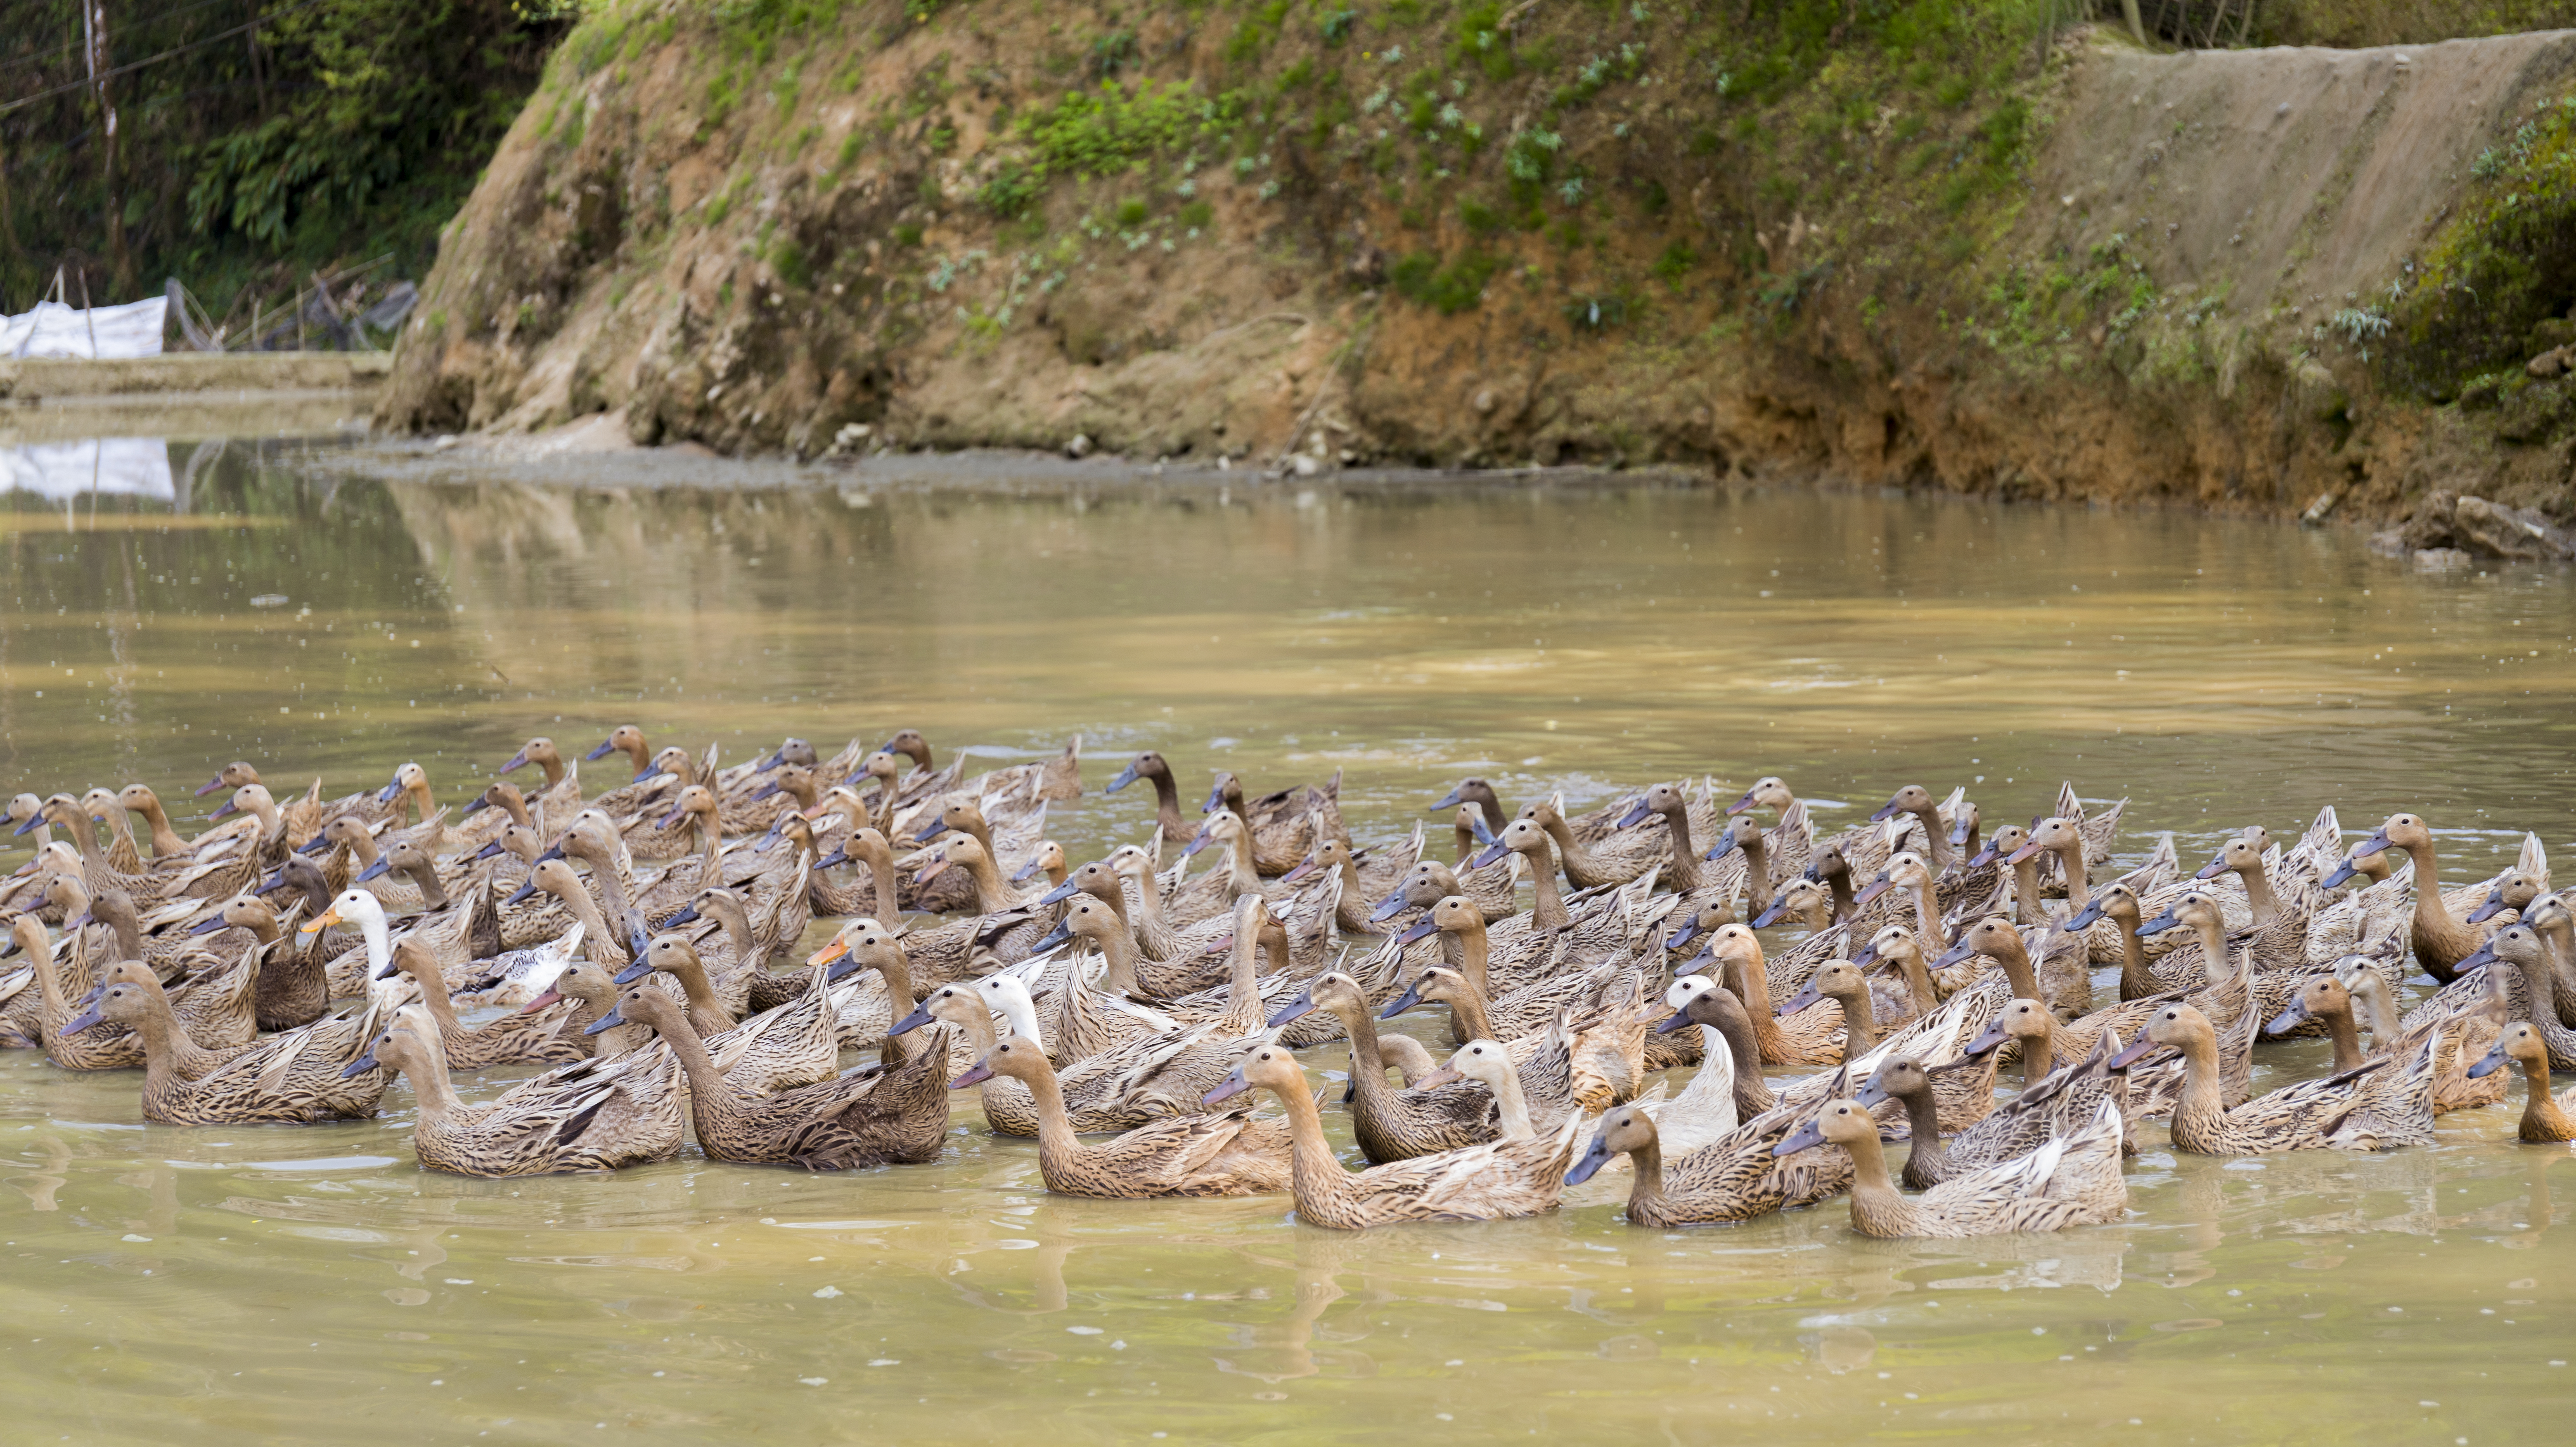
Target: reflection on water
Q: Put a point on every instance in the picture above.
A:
(329, 614)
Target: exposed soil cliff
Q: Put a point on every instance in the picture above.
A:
(1941, 243)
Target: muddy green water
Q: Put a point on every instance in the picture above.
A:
(312, 1284)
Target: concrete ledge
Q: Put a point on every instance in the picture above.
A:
(183, 372)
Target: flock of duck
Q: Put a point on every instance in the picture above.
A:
(1827, 995)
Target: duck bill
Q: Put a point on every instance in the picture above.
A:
(2159, 924)
(1680, 939)
(632, 973)
(1060, 893)
(1703, 963)
(1741, 805)
(518, 760)
(2136, 1050)
(1959, 833)
(360, 1066)
(644, 773)
(480, 804)
(551, 996)
(2213, 868)
(2483, 955)
(207, 926)
(1771, 916)
(2493, 906)
(1411, 997)
(1678, 1020)
(1801, 1000)
(1885, 812)
(314, 848)
(522, 892)
(981, 1071)
(1450, 800)
(228, 810)
(1958, 954)
(1200, 841)
(1988, 1041)
(2370, 847)
(828, 953)
(377, 870)
(1032, 869)
(320, 922)
(386, 971)
(81, 1021)
(770, 790)
(1126, 776)
(2087, 917)
(1421, 929)
(1877, 887)
(202, 790)
(1305, 867)
(1726, 846)
(2288, 1020)
(667, 820)
(2031, 851)
(386, 794)
(919, 1017)
(274, 881)
(1805, 1138)
(1638, 813)
(1867, 957)
(1871, 1095)
(1988, 855)
(2344, 874)
(1445, 1075)
(1387, 908)
(1232, 1086)
(1595, 1156)
(688, 915)
(773, 761)
(1054, 937)
(1489, 855)
(609, 1021)
(606, 747)
(1296, 1009)
(1215, 799)
(931, 870)
(2489, 1063)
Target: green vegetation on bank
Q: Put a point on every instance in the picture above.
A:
(256, 141)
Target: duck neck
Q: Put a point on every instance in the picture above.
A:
(1683, 872)
(710, 846)
(49, 986)
(2216, 962)
(1936, 840)
(2071, 859)
(2039, 1053)
(84, 837)
(709, 1094)
(1757, 872)
(554, 769)
(897, 972)
(642, 758)
(1570, 853)
(1918, 981)
(1547, 906)
(736, 923)
(2137, 982)
(880, 864)
(433, 993)
(1750, 978)
(1839, 881)
(2542, 1120)
(1022, 1016)
(1057, 1144)
(362, 847)
(992, 894)
(1241, 877)
(1475, 951)
(433, 895)
(2432, 920)
(1646, 1192)
(2347, 1038)
(1167, 809)
(1860, 1026)
(128, 931)
(1118, 948)
(1149, 904)
(597, 942)
(1923, 1128)
(2016, 964)
(2258, 893)
(702, 996)
(1927, 918)
(429, 1084)
(1315, 1173)
(1243, 990)
(1506, 1086)
(1752, 1093)
(1467, 1015)
(2026, 906)
(2203, 1093)
(160, 1061)
(165, 840)
(2542, 982)
(1875, 1198)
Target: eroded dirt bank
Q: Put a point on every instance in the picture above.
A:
(1967, 255)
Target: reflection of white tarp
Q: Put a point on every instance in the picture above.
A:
(110, 332)
(61, 471)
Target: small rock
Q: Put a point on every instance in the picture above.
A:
(2390, 543)
(1080, 446)
(2495, 530)
(1224, 463)
(1484, 402)
(1304, 465)
(2441, 560)
(445, 441)
(2318, 509)
(2430, 526)
(2556, 362)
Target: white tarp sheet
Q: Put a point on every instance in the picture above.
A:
(62, 471)
(108, 332)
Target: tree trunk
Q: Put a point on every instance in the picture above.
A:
(94, 27)
(2137, 23)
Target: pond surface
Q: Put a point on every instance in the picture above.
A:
(335, 612)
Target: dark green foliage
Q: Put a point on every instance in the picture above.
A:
(1448, 290)
(352, 128)
(2503, 266)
